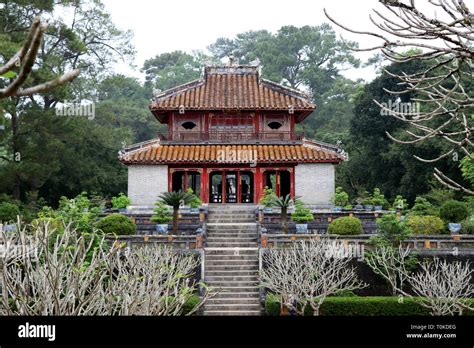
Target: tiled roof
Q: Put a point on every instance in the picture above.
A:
(156, 153)
(231, 88)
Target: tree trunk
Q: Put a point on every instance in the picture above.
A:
(175, 220)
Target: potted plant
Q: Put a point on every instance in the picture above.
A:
(453, 212)
(284, 203)
(377, 200)
(301, 216)
(341, 199)
(195, 202)
(267, 199)
(161, 216)
(121, 202)
(175, 199)
(400, 204)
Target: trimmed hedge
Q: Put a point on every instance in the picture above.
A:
(454, 211)
(190, 304)
(347, 225)
(427, 224)
(117, 224)
(358, 306)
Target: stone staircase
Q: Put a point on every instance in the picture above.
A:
(231, 261)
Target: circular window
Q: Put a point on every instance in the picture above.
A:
(275, 125)
(188, 125)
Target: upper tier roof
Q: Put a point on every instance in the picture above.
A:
(231, 87)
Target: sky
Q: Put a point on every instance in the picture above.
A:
(165, 26)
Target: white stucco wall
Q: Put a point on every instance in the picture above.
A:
(315, 183)
(146, 183)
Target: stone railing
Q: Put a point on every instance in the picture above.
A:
(180, 242)
(431, 244)
(190, 222)
(272, 221)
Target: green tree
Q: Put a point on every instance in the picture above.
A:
(39, 150)
(171, 69)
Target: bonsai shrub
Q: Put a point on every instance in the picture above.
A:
(117, 224)
(378, 199)
(421, 207)
(341, 198)
(425, 224)
(347, 225)
(195, 201)
(8, 212)
(453, 211)
(301, 214)
(121, 201)
(268, 197)
(161, 213)
(392, 229)
(400, 203)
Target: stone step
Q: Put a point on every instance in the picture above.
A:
(232, 267)
(236, 289)
(231, 226)
(234, 307)
(214, 238)
(233, 300)
(249, 281)
(231, 277)
(232, 234)
(232, 283)
(231, 264)
(240, 213)
(211, 273)
(235, 294)
(232, 313)
(230, 220)
(245, 258)
(231, 244)
(231, 251)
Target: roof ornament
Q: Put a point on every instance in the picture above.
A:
(231, 59)
(255, 62)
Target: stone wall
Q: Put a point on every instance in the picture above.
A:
(146, 183)
(315, 183)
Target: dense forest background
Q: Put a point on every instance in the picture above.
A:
(44, 156)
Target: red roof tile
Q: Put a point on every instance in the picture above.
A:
(231, 88)
(156, 153)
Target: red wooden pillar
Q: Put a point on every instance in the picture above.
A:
(292, 182)
(205, 185)
(258, 186)
(224, 187)
(170, 179)
(238, 188)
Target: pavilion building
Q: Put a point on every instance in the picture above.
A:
(230, 134)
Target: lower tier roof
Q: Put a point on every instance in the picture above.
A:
(153, 152)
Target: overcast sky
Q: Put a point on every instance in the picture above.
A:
(164, 26)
